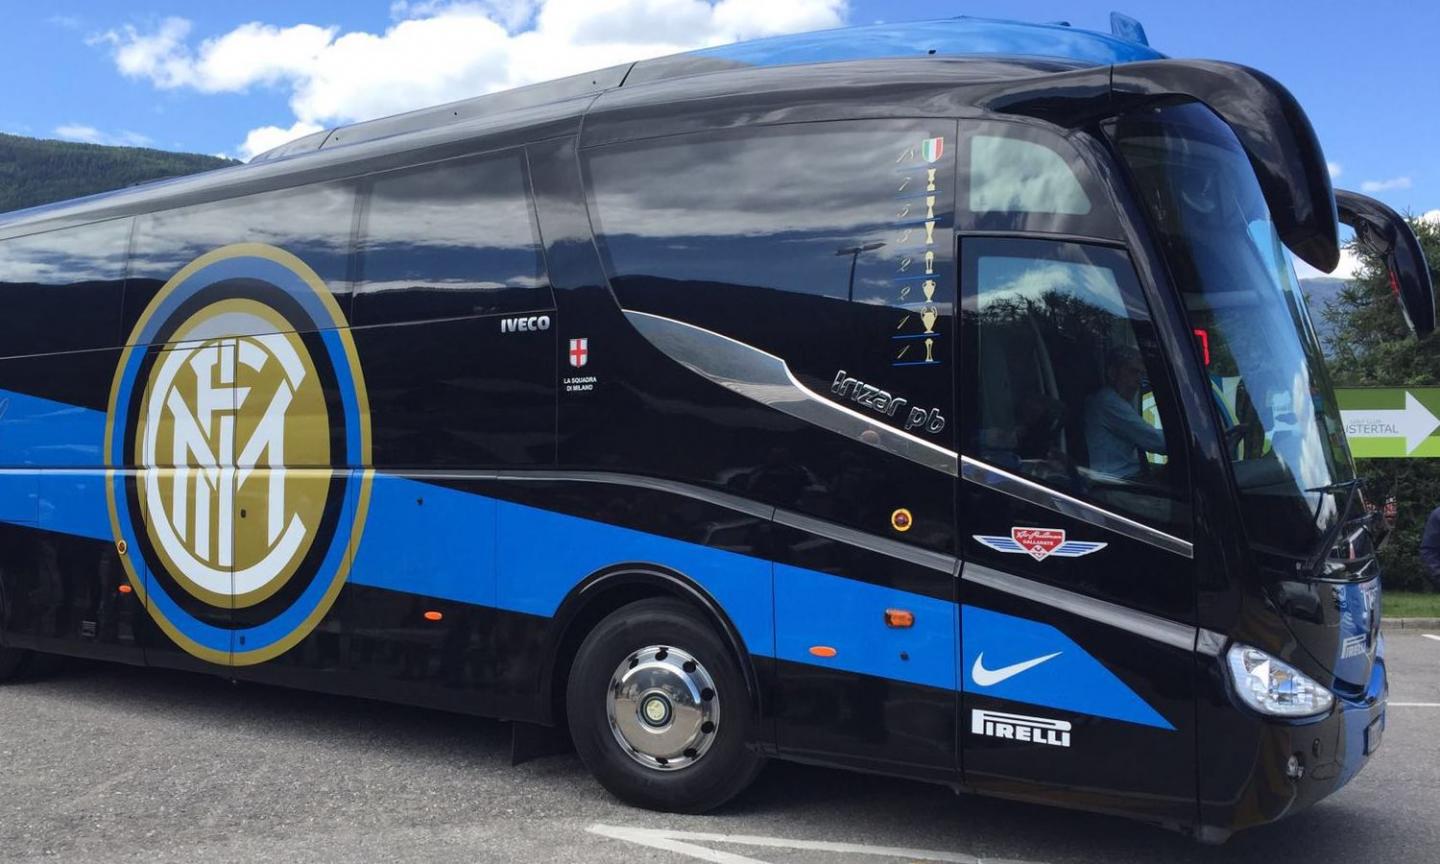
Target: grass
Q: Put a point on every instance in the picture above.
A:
(1410, 604)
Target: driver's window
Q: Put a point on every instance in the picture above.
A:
(1069, 387)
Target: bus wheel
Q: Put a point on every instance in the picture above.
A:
(659, 711)
(12, 661)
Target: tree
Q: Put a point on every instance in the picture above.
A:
(34, 172)
(1370, 346)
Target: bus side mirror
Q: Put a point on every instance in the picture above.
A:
(1384, 233)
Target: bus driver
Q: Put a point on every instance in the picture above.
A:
(1115, 433)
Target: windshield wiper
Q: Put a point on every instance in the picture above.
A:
(1327, 542)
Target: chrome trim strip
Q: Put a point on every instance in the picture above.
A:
(1152, 627)
(674, 487)
(829, 530)
(1028, 490)
(883, 545)
(1210, 643)
(765, 378)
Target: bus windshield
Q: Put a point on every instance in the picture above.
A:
(1251, 329)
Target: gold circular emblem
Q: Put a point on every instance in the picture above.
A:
(235, 436)
(901, 520)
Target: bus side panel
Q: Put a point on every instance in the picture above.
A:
(62, 586)
(60, 579)
(633, 408)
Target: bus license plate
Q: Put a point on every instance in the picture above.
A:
(1373, 733)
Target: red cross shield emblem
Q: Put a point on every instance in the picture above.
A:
(1038, 542)
(579, 352)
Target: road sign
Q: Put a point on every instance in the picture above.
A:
(1391, 422)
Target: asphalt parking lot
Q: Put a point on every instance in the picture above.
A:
(113, 764)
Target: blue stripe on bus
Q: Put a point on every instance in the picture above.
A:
(1069, 679)
(455, 562)
(831, 611)
(35, 431)
(545, 554)
(73, 502)
(488, 552)
(19, 497)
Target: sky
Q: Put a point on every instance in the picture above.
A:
(239, 78)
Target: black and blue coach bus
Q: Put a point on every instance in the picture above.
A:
(931, 399)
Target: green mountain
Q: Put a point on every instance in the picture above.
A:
(35, 171)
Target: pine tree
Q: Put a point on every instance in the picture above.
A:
(1371, 347)
(34, 171)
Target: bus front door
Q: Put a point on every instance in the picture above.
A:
(1077, 593)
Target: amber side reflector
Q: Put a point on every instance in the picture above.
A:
(434, 616)
(899, 618)
(126, 589)
(822, 650)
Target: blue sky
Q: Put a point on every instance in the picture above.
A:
(185, 75)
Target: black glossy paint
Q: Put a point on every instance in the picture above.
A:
(1386, 233)
(458, 402)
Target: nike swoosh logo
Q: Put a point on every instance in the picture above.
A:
(990, 677)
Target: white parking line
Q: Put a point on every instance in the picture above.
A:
(1413, 704)
(1431, 636)
(684, 842)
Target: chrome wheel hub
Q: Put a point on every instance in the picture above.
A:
(663, 708)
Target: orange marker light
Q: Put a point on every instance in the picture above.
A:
(432, 615)
(901, 520)
(822, 650)
(899, 618)
(126, 589)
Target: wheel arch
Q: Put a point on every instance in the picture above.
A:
(607, 590)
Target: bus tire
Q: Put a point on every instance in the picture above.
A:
(659, 711)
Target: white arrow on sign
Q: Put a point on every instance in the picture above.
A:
(1414, 423)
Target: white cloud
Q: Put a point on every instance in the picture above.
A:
(160, 56)
(1431, 216)
(1385, 185)
(268, 137)
(1335, 168)
(1347, 268)
(76, 132)
(91, 135)
(439, 51)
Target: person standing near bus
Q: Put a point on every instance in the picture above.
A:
(1430, 547)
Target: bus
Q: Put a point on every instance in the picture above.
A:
(935, 400)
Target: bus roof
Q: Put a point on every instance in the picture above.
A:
(952, 37)
(963, 37)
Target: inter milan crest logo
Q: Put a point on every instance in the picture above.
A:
(239, 414)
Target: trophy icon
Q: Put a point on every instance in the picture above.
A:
(928, 286)
(929, 206)
(928, 317)
(930, 179)
(929, 350)
(930, 232)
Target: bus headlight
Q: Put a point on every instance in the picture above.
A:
(1274, 687)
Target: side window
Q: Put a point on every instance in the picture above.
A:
(449, 240)
(829, 245)
(1028, 178)
(1011, 175)
(1069, 383)
(75, 276)
(313, 223)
